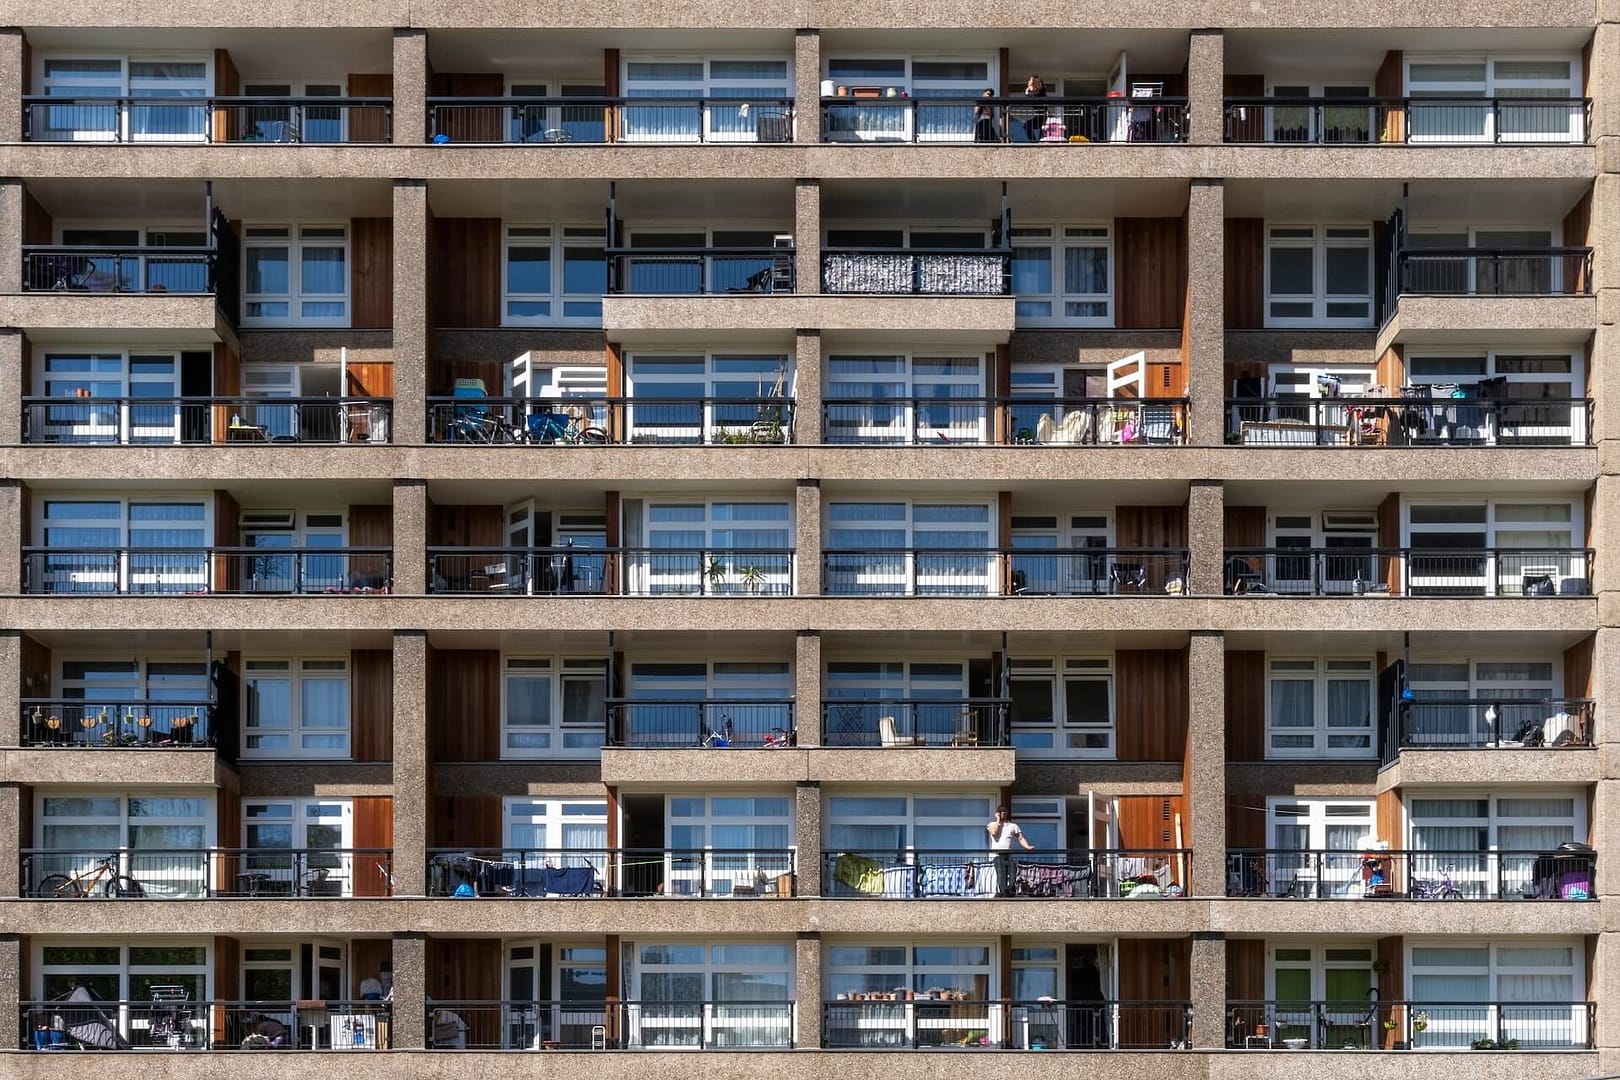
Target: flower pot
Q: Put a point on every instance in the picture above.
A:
(842, 91)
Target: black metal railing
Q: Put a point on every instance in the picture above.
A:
(203, 420)
(555, 120)
(981, 421)
(1413, 420)
(205, 873)
(1466, 271)
(733, 572)
(1355, 874)
(208, 119)
(1418, 572)
(186, 571)
(868, 116)
(610, 1025)
(594, 872)
(679, 271)
(154, 270)
(1371, 1024)
(921, 272)
(600, 421)
(939, 1018)
(171, 1020)
(128, 724)
(915, 722)
(906, 874)
(1005, 572)
(1291, 121)
(716, 723)
(1441, 722)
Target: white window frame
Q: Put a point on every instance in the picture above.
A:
(1057, 239)
(1348, 955)
(1319, 243)
(719, 572)
(716, 419)
(714, 1017)
(296, 118)
(1574, 432)
(1283, 89)
(134, 1018)
(302, 814)
(906, 1022)
(1478, 880)
(129, 575)
(558, 237)
(895, 122)
(1573, 566)
(723, 869)
(184, 875)
(1492, 87)
(123, 87)
(709, 88)
(297, 672)
(293, 240)
(1448, 1031)
(1322, 671)
(93, 419)
(972, 575)
(557, 670)
(904, 423)
(1095, 740)
(570, 1019)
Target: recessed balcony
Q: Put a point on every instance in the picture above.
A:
(82, 1021)
(192, 120)
(1116, 873)
(618, 872)
(944, 572)
(1364, 572)
(208, 873)
(1381, 873)
(1349, 120)
(188, 421)
(1417, 419)
(930, 1020)
(885, 115)
(128, 571)
(1423, 1024)
(602, 119)
(129, 724)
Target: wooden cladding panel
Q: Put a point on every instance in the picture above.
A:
(371, 526)
(369, 125)
(1578, 233)
(1150, 526)
(371, 272)
(1391, 955)
(1245, 822)
(465, 266)
(1390, 371)
(370, 380)
(468, 969)
(373, 828)
(1251, 125)
(471, 124)
(1150, 272)
(1147, 821)
(1387, 811)
(1151, 704)
(1245, 273)
(1245, 705)
(1389, 536)
(227, 533)
(369, 958)
(37, 225)
(467, 526)
(227, 980)
(1245, 969)
(466, 821)
(227, 83)
(371, 704)
(1155, 969)
(464, 702)
(36, 668)
(230, 835)
(1578, 668)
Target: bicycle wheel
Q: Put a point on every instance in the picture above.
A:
(1451, 893)
(58, 885)
(593, 436)
(122, 888)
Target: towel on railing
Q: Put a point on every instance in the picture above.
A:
(567, 880)
(958, 879)
(1045, 879)
(859, 874)
(899, 882)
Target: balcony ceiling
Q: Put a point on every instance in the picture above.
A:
(194, 642)
(858, 645)
(1422, 643)
(636, 644)
(155, 200)
(723, 204)
(259, 55)
(1323, 55)
(579, 52)
(1052, 54)
(1300, 495)
(979, 201)
(1478, 202)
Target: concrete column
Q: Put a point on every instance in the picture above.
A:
(807, 991)
(1206, 87)
(1206, 541)
(1208, 981)
(11, 828)
(807, 388)
(11, 235)
(408, 1027)
(1205, 771)
(12, 388)
(13, 992)
(13, 77)
(410, 311)
(410, 86)
(807, 86)
(1604, 81)
(11, 692)
(807, 235)
(1606, 799)
(807, 836)
(1603, 374)
(410, 537)
(12, 530)
(808, 544)
(806, 686)
(412, 781)
(1206, 329)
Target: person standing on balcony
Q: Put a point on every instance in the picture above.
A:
(1035, 117)
(1003, 830)
(985, 128)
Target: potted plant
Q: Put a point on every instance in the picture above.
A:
(752, 577)
(717, 571)
(1420, 1021)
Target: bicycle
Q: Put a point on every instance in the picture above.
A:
(1429, 889)
(569, 428)
(79, 885)
(713, 739)
(779, 739)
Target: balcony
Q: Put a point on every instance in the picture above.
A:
(625, 872)
(916, 272)
(867, 117)
(1499, 272)
(1417, 875)
(1006, 572)
(710, 723)
(207, 873)
(659, 271)
(1075, 875)
(1426, 121)
(1366, 572)
(1439, 723)
(235, 120)
(217, 571)
(598, 120)
(1414, 421)
(703, 421)
(1416, 1025)
(915, 723)
(84, 1022)
(610, 1025)
(118, 421)
(132, 724)
(151, 271)
(938, 1019)
(571, 571)
(1023, 421)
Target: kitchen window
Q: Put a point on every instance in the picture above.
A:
(1063, 275)
(553, 275)
(1319, 275)
(172, 537)
(1560, 115)
(911, 549)
(906, 398)
(295, 708)
(295, 275)
(1319, 707)
(169, 80)
(870, 112)
(553, 707)
(1532, 991)
(1063, 707)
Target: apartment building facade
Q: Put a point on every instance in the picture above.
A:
(547, 536)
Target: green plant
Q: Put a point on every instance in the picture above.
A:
(717, 571)
(1420, 1021)
(752, 577)
(1390, 1025)
(1492, 1044)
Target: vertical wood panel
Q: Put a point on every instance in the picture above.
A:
(1578, 233)
(227, 83)
(1245, 969)
(371, 704)
(1149, 272)
(227, 980)
(371, 380)
(37, 225)
(466, 821)
(1245, 526)
(467, 969)
(35, 662)
(229, 816)
(468, 526)
(1155, 969)
(371, 526)
(1245, 821)
(1389, 536)
(1245, 705)
(368, 959)
(227, 382)
(1150, 704)
(371, 272)
(227, 530)
(1245, 272)
(465, 272)
(1150, 526)
(465, 701)
(373, 828)
(1391, 986)
(1251, 126)
(1578, 668)
(478, 125)
(369, 125)
(1390, 81)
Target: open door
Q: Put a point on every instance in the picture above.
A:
(1119, 117)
